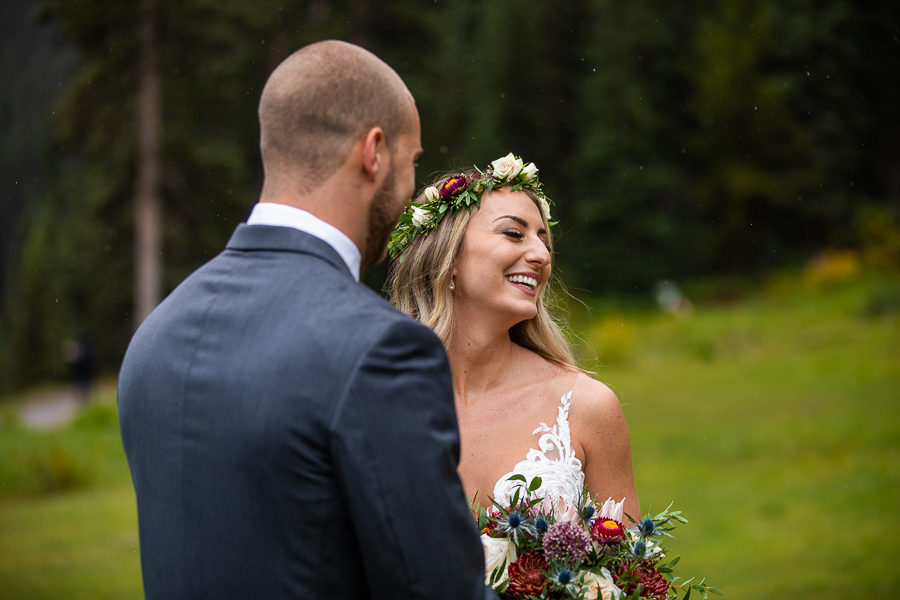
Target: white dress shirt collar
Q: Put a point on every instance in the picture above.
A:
(282, 215)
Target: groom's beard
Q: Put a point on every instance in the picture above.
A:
(383, 218)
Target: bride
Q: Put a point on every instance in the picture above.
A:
(474, 257)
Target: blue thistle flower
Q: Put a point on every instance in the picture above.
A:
(588, 513)
(515, 525)
(541, 525)
(564, 583)
(639, 550)
(648, 527)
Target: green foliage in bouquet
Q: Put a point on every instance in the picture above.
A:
(539, 549)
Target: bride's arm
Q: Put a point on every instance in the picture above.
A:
(599, 428)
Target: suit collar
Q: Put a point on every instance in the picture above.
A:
(284, 239)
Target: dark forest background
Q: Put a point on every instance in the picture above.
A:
(715, 139)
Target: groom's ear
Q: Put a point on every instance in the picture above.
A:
(373, 149)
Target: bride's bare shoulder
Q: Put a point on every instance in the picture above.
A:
(601, 434)
(595, 407)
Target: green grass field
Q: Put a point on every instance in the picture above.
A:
(772, 422)
(68, 527)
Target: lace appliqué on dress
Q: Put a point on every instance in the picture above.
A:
(554, 462)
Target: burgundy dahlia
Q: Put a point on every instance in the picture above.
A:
(526, 575)
(655, 585)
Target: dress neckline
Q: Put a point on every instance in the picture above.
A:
(554, 461)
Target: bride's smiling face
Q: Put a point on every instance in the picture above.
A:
(504, 261)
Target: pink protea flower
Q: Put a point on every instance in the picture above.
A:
(613, 510)
(569, 513)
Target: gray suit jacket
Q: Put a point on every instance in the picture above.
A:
(291, 435)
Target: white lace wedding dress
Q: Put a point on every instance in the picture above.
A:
(554, 461)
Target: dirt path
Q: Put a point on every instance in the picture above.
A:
(49, 408)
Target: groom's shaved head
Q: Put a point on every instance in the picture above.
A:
(318, 102)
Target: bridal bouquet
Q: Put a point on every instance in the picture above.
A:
(535, 549)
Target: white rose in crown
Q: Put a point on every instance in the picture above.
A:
(420, 216)
(529, 172)
(498, 553)
(432, 193)
(545, 208)
(507, 167)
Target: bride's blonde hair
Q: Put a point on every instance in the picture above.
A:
(419, 285)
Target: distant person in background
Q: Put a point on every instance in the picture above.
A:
(80, 357)
(289, 433)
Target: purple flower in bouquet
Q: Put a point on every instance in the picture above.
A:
(567, 542)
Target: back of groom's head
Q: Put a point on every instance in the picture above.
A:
(318, 102)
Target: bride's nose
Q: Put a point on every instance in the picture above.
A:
(538, 254)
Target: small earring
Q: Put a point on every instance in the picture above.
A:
(452, 285)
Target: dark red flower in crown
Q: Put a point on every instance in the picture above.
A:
(453, 185)
(526, 575)
(607, 531)
(655, 585)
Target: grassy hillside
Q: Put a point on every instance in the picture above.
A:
(772, 421)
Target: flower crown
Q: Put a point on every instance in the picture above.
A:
(463, 191)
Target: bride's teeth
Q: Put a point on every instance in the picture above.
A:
(523, 279)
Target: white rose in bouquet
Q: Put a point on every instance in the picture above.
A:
(507, 167)
(498, 552)
(601, 587)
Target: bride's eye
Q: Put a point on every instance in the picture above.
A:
(514, 234)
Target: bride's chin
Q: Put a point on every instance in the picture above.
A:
(521, 316)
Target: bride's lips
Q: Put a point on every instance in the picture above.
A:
(527, 282)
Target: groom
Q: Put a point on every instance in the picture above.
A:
(291, 435)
